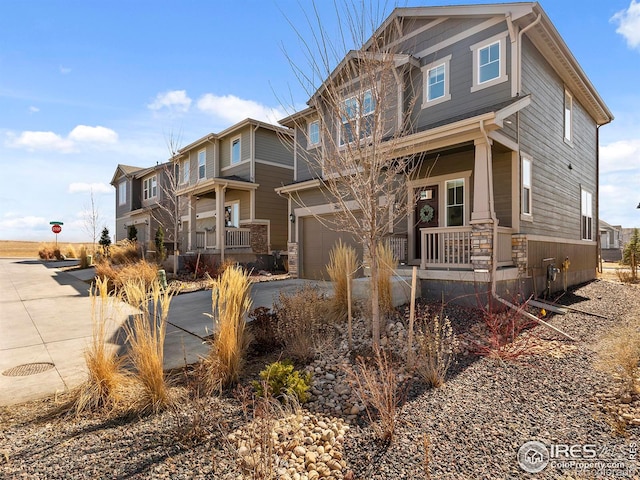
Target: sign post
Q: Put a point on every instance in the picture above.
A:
(56, 228)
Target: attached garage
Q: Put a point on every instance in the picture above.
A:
(316, 241)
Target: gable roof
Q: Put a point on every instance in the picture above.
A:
(124, 170)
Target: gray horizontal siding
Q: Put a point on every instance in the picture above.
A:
(273, 147)
(555, 187)
(245, 147)
(502, 188)
(271, 206)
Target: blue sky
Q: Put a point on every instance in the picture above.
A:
(85, 85)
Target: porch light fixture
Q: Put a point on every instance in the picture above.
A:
(638, 205)
(292, 217)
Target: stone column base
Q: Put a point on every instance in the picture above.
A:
(292, 249)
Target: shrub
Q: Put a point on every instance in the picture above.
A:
(132, 233)
(105, 241)
(106, 377)
(124, 252)
(436, 344)
(119, 275)
(301, 321)
(161, 251)
(619, 355)
(282, 381)
(71, 252)
(263, 327)
(231, 300)
(84, 259)
(386, 267)
(200, 267)
(145, 335)
(631, 254)
(49, 252)
(342, 266)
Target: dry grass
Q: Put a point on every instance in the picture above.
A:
(302, 324)
(124, 252)
(436, 345)
(146, 336)
(378, 386)
(231, 301)
(107, 379)
(619, 355)
(71, 252)
(24, 249)
(342, 266)
(386, 267)
(119, 275)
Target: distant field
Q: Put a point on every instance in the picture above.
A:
(18, 249)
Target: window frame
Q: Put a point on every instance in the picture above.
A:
(567, 123)
(500, 39)
(426, 69)
(447, 205)
(586, 214)
(526, 189)
(310, 135)
(186, 171)
(202, 166)
(359, 118)
(235, 140)
(122, 193)
(150, 187)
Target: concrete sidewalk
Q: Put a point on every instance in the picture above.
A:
(45, 318)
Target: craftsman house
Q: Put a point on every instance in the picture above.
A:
(502, 123)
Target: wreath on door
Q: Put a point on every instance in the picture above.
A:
(426, 213)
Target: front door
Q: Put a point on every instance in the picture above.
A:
(426, 214)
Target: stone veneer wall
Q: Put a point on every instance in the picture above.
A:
(292, 248)
(519, 252)
(481, 245)
(259, 238)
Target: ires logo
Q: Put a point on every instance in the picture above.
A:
(533, 457)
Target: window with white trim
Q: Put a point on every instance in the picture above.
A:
(202, 164)
(586, 207)
(489, 62)
(314, 133)
(236, 149)
(232, 215)
(356, 116)
(436, 82)
(568, 115)
(526, 186)
(122, 192)
(150, 187)
(186, 171)
(455, 202)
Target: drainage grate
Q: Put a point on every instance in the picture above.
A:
(28, 369)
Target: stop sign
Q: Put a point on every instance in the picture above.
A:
(56, 229)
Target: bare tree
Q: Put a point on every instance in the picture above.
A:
(170, 208)
(361, 108)
(91, 219)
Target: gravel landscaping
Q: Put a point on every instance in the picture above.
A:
(470, 428)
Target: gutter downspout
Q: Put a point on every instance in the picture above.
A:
(520, 35)
(494, 259)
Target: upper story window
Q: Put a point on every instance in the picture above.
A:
(357, 117)
(586, 207)
(314, 133)
(150, 187)
(568, 116)
(122, 193)
(436, 82)
(202, 164)
(236, 147)
(526, 186)
(186, 171)
(455, 202)
(489, 62)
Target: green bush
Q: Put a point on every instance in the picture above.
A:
(282, 381)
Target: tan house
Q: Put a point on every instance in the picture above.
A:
(504, 127)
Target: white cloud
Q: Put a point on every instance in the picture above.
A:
(30, 222)
(64, 70)
(629, 24)
(233, 109)
(52, 141)
(83, 187)
(175, 100)
(40, 141)
(33, 109)
(84, 133)
(620, 155)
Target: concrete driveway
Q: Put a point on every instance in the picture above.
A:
(46, 324)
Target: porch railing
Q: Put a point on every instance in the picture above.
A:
(234, 238)
(398, 245)
(446, 247)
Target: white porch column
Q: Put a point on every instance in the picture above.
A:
(192, 223)
(220, 226)
(481, 171)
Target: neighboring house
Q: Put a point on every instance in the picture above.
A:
(610, 244)
(235, 172)
(505, 130)
(139, 194)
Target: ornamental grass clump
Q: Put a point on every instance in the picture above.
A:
(341, 268)
(230, 303)
(107, 380)
(387, 265)
(145, 336)
(619, 355)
